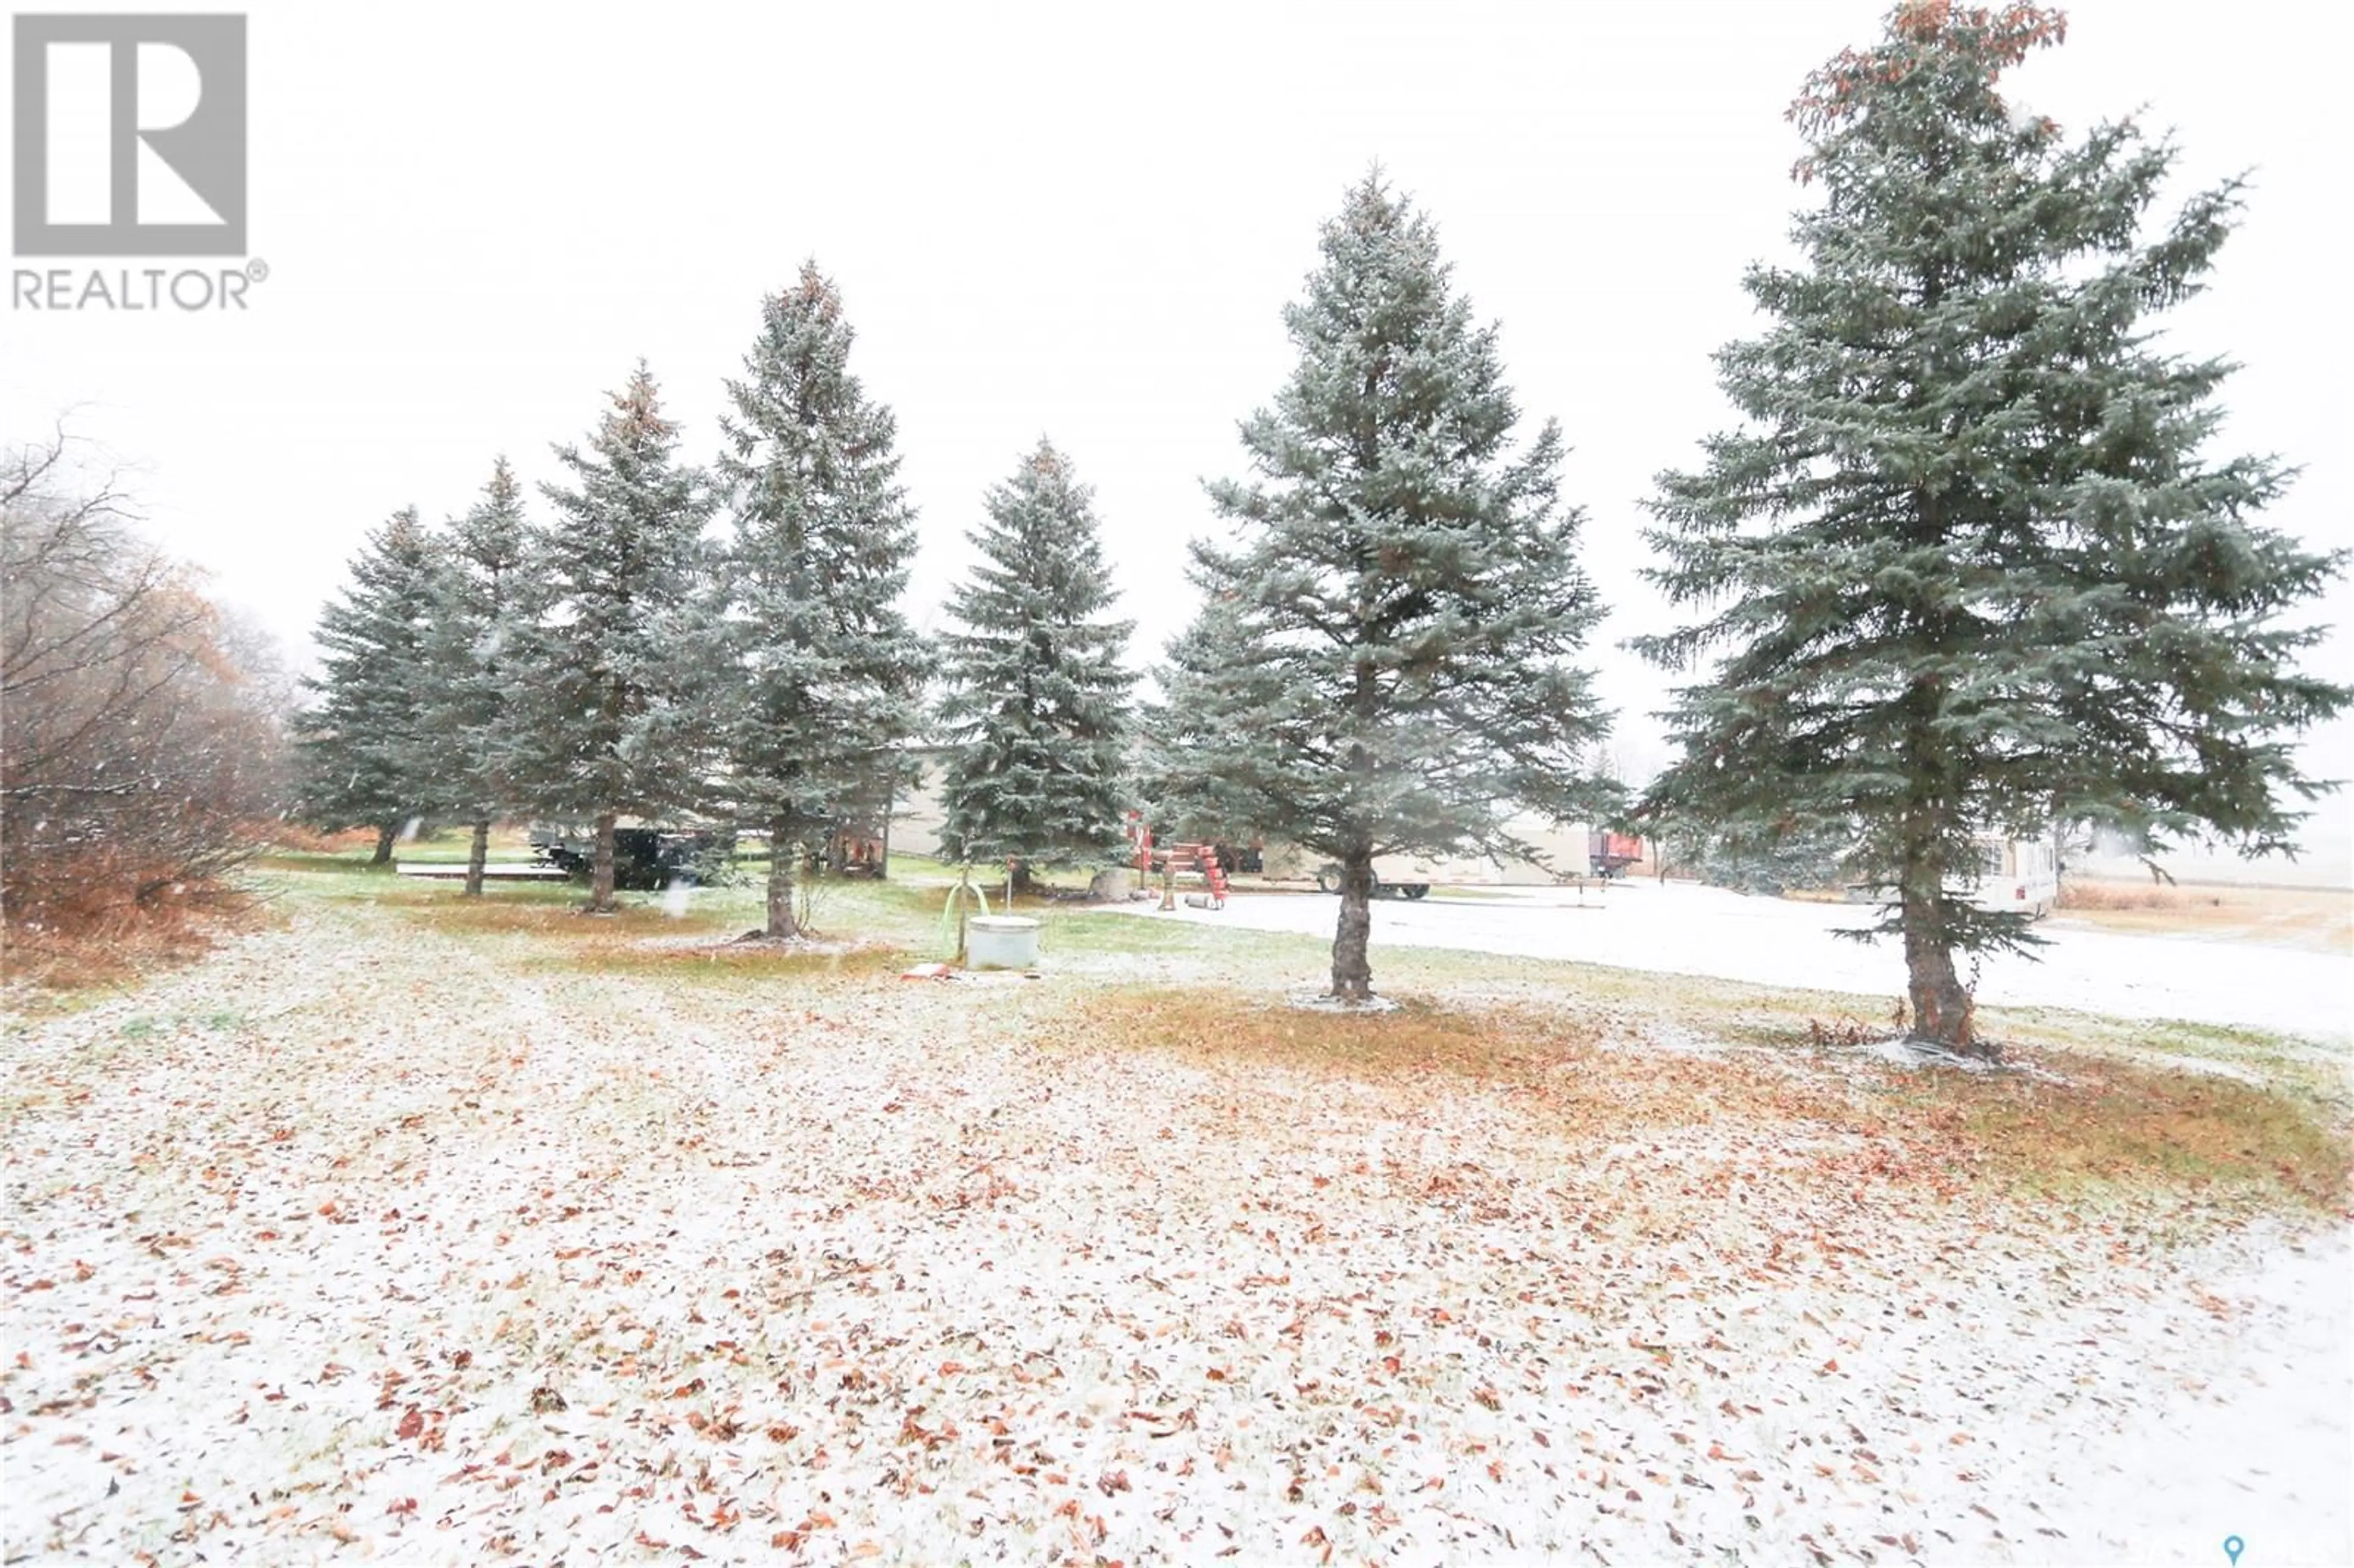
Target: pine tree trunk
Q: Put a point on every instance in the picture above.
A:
(1352, 972)
(386, 834)
(1942, 1010)
(784, 859)
(600, 872)
(478, 855)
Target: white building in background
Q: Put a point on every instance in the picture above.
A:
(2015, 876)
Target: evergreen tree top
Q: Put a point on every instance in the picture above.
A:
(637, 417)
(796, 373)
(1042, 560)
(386, 602)
(492, 534)
(1395, 383)
(404, 533)
(809, 456)
(1949, 54)
(635, 508)
(502, 492)
(633, 443)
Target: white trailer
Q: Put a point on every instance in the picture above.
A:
(1569, 854)
(2014, 876)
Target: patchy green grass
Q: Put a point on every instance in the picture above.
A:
(2080, 1127)
(904, 913)
(329, 877)
(721, 961)
(2111, 1128)
(2314, 1075)
(353, 862)
(920, 869)
(448, 845)
(1068, 929)
(925, 870)
(866, 929)
(555, 914)
(1420, 1036)
(146, 1026)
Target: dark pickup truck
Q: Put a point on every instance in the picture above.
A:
(644, 859)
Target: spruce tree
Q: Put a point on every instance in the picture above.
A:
(359, 747)
(1966, 568)
(825, 675)
(472, 650)
(611, 694)
(1183, 799)
(1038, 696)
(1383, 664)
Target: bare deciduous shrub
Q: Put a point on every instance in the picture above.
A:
(139, 726)
(302, 840)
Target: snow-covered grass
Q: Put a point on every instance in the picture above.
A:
(412, 1230)
(1674, 930)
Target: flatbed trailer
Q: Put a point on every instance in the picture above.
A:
(496, 871)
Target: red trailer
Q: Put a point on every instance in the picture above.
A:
(1610, 855)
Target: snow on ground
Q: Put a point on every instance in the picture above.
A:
(1683, 928)
(359, 1240)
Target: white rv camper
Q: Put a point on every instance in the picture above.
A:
(2015, 876)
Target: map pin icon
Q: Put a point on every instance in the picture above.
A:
(2232, 1547)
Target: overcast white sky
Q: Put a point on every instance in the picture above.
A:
(1082, 221)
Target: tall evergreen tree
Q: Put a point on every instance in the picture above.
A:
(826, 675)
(1038, 696)
(610, 698)
(358, 746)
(1966, 569)
(1383, 663)
(472, 650)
